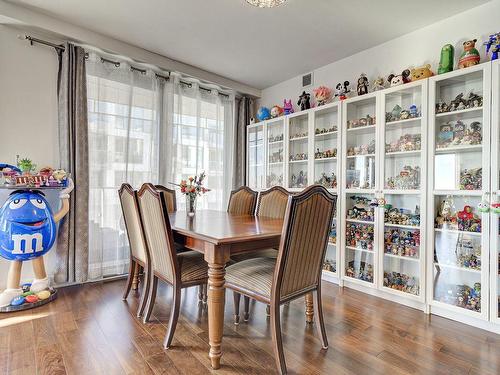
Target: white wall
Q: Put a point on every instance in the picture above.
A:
(410, 50)
(28, 111)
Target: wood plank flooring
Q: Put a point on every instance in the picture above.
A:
(90, 330)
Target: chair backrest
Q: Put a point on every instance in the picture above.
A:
(304, 239)
(133, 223)
(242, 201)
(170, 197)
(272, 202)
(158, 233)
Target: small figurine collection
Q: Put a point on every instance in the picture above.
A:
(342, 90)
(25, 175)
(472, 100)
(332, 237)
(365, 149)
(470, 55)
(364, 121)
(466, 255)
(331, 129)
(363, 209)
(462, 296)
(299, 156)
(299, 181)
(402, 282)
(398, 114)
(329, 182)
(323, 95)
(362, 88)
(465, 220)
(363, 272)
(276, 111)
(407, 179)
(276, 156)
(457, 133)
(275, 138)
(471, 179)
(298, 135)
(274, 180)
(402, 242)
(407, 142)
(329, 153)
(402, 216)
(359, 236)
(330, 265)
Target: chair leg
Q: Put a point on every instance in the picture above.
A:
(236, 298)
(205, 293)
(320, 323)
(151, 298)
(144, 294)
(246, 301)
(129, 279)
(174, 317)
(277, 339)
(309, 308)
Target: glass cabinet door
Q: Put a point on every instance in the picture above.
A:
(459, 142)
(255, 156)
(326, 142)
(495, 196)
(298, 151)
(275, 152)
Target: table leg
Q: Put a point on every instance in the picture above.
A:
(216, 257)
(309, 308)
(135, 280)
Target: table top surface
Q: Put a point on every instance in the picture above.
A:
(220, 227)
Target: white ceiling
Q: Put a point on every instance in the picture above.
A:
(257, 47)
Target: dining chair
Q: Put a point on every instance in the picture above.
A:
(242, 201)
(139, 256)
(181, 270)
(270, 203)
(297, 270)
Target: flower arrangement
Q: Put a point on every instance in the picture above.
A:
(192, 188)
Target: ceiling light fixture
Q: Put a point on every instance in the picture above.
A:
(266, 3)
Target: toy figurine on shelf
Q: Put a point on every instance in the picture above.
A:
(287, 107)
(396, 80)
(360, 270)
(276, 111)
(298, 135)
(402, 242)
(468, 221)
(493, 44)
(359, 236)
(458, 133)
(402, 282)
(446, 216)
(407, 142)
(275, 138)
(407, 179)
(402, 216)
(414, 112)
(471, 179)
(304, 101)
(274, 180)
(298, 156)
(331, 129)
(364, 121)
(378, 84)
(362, 88)
(276, 156)
(322, 95)
(421, 73)
(325, 154)
(470, 55)
(328, 182)
(263, 114)
(342, 90)
(446, 59)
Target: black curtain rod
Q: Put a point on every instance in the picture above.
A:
(32, 40)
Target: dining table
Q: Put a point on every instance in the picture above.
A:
(218, 235)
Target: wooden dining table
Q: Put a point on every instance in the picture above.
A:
(218, 235)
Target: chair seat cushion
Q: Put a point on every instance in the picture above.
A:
(254, 275)
(193, 266)
(266, 253)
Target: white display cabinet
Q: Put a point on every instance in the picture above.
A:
(495, 195)
(256, 170)
(275, 151)
(458, 282)
(299, 153)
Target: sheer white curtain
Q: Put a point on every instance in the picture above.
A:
(147, 129)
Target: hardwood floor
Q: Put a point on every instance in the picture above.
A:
(90, 330)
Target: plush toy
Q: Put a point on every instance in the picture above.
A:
(483, 206)
(446, 59)
(396, 80)
(287, 106)
(421, 72)
(341, 90)
(276, 111)
(304, 101)
(263, 114)
(493, 44)
(362, 88)
(378, 84)
(470, 55)
(495, 208)
(322, 95)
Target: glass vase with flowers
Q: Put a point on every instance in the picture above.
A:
(192, 188)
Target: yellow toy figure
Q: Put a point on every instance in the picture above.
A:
(27, 232)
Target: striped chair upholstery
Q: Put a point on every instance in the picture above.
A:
(253, 274)
(170, 197)
(272, 202)
(242, 201)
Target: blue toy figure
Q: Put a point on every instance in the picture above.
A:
(27, 232)
(263, 114)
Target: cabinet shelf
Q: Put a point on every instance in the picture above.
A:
(361, 250)
(298, 161)
(402, 153)
(276, 163)
(275, 143)
(403, 122)
(325, 159)
(463, 148)
(402, 226)
(402, 257)
(457, 268)
(299, 139)
(455, 231)
(363, 129)
(460, 112)
(360, 156)
(325, 134)
(359, 221)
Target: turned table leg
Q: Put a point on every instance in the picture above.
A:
(135, 280)
(309, 308)
(216, 257)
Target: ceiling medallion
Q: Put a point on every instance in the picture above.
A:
(266, 3)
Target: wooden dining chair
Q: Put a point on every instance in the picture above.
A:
(181, 270)
(170, 197)
(297, 270)
(139, 256)
(242, 201)
(270, 203)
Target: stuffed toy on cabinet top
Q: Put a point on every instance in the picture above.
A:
(421, 73)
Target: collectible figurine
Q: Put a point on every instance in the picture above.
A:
(446, 59)
(304, 101)
(421, 73)
(322, 95)
(396, 80)
(483, 206)
(414, 111)
(362, 88)
(495, 208)
(276, 111)
(470, 55)
(287, 107)
(493, 44)
(378, 84)
(263, 114)
(471, 179)
(341, 90)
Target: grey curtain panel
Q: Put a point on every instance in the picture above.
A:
(72, 244)
(244, 112)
